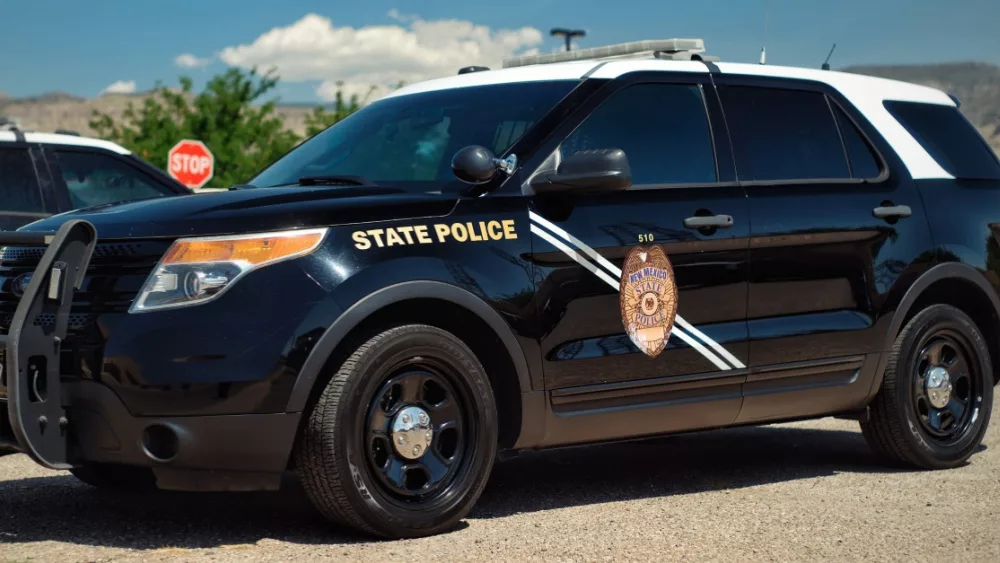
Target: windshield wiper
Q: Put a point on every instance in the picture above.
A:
(335, 181)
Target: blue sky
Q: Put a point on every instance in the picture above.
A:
(83, 46)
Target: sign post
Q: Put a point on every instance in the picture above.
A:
(191, 163)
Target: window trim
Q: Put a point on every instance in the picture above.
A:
(833, 96)
(32, 161)
(146, 170)
(608, 90)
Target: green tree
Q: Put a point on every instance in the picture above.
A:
(323, 117)
(244, 136)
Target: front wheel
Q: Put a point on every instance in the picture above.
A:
(402, 440)
(937, 392)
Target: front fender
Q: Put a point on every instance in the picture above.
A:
(414, 289)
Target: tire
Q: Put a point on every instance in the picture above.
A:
(357, 477)
(112, 477)
(907, 424)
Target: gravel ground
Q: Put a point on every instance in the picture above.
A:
(796, 491)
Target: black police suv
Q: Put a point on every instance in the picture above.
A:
(549, 254)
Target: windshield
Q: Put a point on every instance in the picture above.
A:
(408, 141)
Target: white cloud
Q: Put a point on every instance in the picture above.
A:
(313, 48)
(120, 87)
(187, 60)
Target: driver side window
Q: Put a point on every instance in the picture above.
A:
(663, 129)
(97, 179)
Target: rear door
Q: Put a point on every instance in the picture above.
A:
(22, 198)
(835, 221)
(599, 267)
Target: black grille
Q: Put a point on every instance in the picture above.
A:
(13, 254)
(114, 277)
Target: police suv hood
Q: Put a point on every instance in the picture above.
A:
(252, 210)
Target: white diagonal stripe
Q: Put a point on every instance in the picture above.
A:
(715, 345)
(575, 256)
(701, 348)
(596, 256)
(610, 281)
(577, 242)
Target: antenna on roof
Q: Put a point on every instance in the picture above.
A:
(826, 63)
(763, 43)
(569, 34)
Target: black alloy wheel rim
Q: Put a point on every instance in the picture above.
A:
(944, 362)
(424, 384)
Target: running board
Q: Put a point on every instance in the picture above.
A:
(30, 376)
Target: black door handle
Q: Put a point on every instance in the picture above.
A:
(709, 222)
(893, 211)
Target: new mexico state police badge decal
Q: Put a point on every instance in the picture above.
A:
(648, 296)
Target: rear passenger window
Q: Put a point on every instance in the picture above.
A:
(663, 129)
(949, 138)
(860, 155)
(19, 191)
(783, 134)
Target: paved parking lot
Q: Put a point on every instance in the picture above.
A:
(799, 491)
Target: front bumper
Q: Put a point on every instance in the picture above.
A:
(218, 452)
(62, 421)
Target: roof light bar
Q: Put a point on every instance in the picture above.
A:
(674, 49)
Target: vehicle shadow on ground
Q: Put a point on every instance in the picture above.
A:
(674, 465)
(59, 508)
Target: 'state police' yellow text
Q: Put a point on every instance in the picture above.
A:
(439, 232)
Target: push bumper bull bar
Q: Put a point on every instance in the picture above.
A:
(30, 381)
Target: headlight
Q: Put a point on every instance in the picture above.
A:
(197, 270)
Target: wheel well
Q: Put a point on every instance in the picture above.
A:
(461, 322)
(969, 298)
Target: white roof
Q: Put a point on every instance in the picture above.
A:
(69, 140)
(865, 92)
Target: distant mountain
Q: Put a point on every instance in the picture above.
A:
(976, 85)
(58, 110)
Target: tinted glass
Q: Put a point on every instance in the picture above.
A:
(18, 185)
(783, 134)
(663, 129)
(949, 138)
(408, 141)
(861, 157)
(97, 179)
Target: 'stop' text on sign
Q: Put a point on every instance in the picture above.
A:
(191, 163)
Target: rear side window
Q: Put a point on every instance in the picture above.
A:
(19, 191)
(860, 155)
(783, 134)
(96, 179)
(949, 138)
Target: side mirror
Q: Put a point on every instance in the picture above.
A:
(589, 171)
(475, 164)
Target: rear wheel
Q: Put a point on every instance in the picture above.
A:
(937, 393)
(402, 440)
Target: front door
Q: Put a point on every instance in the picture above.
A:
(642, 293)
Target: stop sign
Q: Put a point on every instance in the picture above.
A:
(191, 163)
